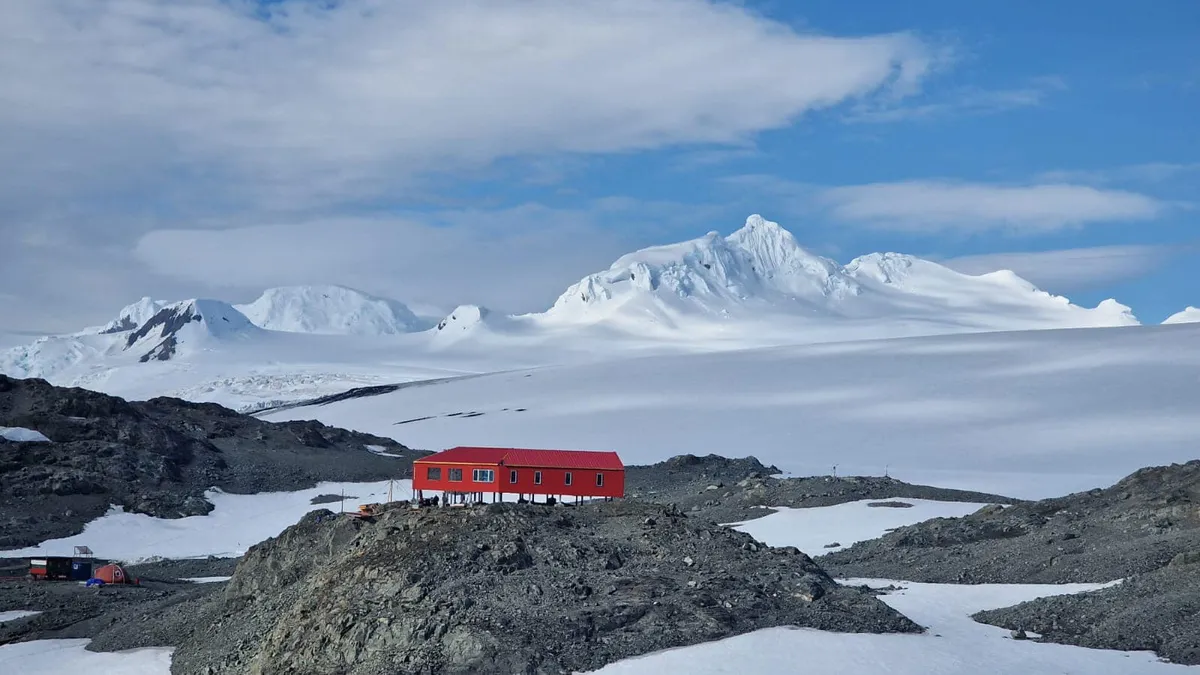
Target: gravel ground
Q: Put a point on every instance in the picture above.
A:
(1136, 526)
(508, 588)
(733, 490)
(70, 610)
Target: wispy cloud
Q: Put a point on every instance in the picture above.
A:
(316, 102)
(964, 101)
(702, 159)
(933, 206)
(1069, 270)
(1149, 172)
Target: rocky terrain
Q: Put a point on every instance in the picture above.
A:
(732, 490)
(537, 589)
(157, 457)
(508, 588)
(158, 611)
(1137, 525)
(1145, 529)
(1158, 611)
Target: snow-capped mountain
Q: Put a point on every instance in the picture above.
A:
(756, 287)
(174, 331)
(761, 271)
(1188, 315)
(330, 310)
(758, 265)
(191, 325)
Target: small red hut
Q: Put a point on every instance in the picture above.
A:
(465, 473)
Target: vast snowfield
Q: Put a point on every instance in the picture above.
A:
(1027, 414)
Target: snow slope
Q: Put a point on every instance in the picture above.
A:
(334, 310)
(812, 529)
(1029, 414)
(1188, 315)
(55, 657)
(236, 523)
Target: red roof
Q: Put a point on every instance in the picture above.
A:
(463, 455)
(524, 457)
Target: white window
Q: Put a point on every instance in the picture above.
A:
(599, 480)
(567, 480)
(483, 475)
(537, 477)
(512, 476)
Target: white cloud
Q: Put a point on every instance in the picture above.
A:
(932, 206)
(1068, 270)
(324, 101)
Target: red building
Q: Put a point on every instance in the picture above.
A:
(472, 473)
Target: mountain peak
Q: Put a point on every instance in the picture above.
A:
(329, 310)
(134, 315)
(760, 262)
(172, 326)
(756, 222)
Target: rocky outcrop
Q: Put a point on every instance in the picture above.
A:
(730, 490)
(1158, 611)
(157, 457)
(1136, 526)
(508, 588)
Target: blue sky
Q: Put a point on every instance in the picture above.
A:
(496, 151)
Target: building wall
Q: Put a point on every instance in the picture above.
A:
(553, 481)
(421, 481)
